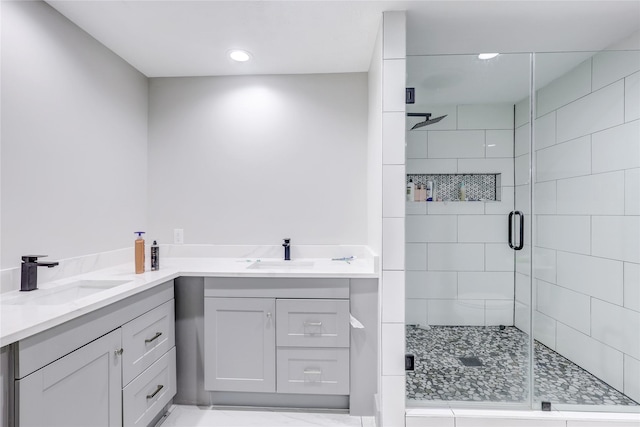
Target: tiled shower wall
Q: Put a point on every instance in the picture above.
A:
(459, 265)
(587, 224)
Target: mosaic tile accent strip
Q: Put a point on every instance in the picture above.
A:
(447, 186)
(441, 375)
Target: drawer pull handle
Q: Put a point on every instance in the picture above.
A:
(155, 337)
(152, 395)
(312, 372)
(312, 323)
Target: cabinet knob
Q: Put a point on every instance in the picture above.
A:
(269, 315)
(119, 352)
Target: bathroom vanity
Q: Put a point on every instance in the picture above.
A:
(201, 331)
(277, 335)
(115, 366)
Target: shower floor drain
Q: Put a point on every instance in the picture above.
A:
(470, 361)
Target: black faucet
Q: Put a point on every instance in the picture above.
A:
(30, 264)
(287, 249)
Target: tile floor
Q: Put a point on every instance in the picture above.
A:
(441, 374)
(200, 416)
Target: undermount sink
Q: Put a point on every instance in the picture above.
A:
(279, 265)
(65, 293)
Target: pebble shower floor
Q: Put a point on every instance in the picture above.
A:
(441, 375)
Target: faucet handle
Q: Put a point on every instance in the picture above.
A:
(32, 258)
(286, 241)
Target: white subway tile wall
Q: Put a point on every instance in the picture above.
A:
(601, 360)
(617, 148)
(499, 143)
(459, 266)
(632, 97)
(455, 144)
(565, 160)
(392, 337)
(565, 89)
(545, 130)
(632, 191)
(587, 201)
(569, 307)
(632, 286)
(545, 329)
(631, 375)
(392, 127)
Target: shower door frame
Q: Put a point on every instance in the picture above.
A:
(528, 402)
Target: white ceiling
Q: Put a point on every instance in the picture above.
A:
(192, 38)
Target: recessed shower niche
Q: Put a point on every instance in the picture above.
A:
(446, 187)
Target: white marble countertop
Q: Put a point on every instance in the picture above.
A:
(21, 316)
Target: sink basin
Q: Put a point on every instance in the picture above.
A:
(281, 265)
(65, 293)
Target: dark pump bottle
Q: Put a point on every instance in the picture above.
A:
(155, 256)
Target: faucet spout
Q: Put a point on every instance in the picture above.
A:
(287, 249)
(48, 264)
(30, 264)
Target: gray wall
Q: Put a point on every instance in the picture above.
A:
(253, 159)
(74, 139)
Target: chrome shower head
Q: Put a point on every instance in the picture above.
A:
(427, 119)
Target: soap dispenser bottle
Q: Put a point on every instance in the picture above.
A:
(139, 252)
(410, 191)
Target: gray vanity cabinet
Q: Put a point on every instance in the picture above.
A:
(284, 336)
(115, 366)
(239, 344)
(80, 389)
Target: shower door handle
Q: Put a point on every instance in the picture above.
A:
(520, 216)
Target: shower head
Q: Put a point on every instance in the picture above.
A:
(427, 119)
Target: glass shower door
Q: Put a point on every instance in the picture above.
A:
(468, 274)
(587, 230)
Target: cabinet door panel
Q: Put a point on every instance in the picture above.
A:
(312, 323)
(145, 396)
(146, 338)
(81, 389)
(240, 344)
(313, 370)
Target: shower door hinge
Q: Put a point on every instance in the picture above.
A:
(409, 362)
(410, 95)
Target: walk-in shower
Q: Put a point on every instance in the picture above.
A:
(523, 273)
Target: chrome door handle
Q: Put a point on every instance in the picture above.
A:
(155, 337)
(119, 352)
(152, 395)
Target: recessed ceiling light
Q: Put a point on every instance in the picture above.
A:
(487, 55)
(239, 55)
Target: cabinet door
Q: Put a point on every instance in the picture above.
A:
(80, 389)
(239, 344)
(146, 338)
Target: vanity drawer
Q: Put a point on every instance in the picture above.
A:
(313, 370)
(146, 338)
(147, 395)
(312, 323)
